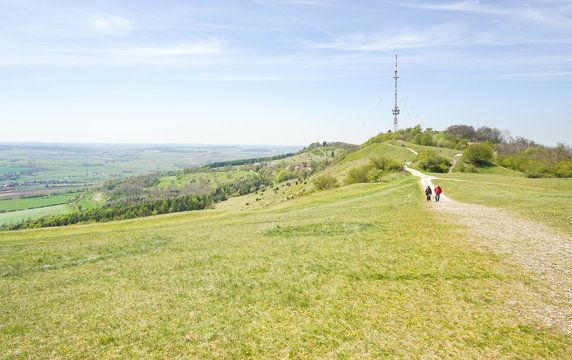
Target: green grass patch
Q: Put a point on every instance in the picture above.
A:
(87, 202)
(445, 152)
(353, 272)
(545, 200)
(35, 202)
(17, 216)
(555, 184)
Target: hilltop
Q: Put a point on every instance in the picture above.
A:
(364, 269)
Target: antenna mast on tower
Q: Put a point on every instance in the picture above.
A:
(395, 108)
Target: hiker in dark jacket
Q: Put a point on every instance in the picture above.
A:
(428, 192)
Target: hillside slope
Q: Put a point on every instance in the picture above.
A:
(355, 272)
(361, 157)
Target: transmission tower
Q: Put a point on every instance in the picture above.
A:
(395, 108)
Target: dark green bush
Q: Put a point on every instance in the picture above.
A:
(479, 154)
(429, 161)
(563, 169)
(325, 182)
(357, 175)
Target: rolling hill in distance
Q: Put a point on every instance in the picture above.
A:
(330, 251)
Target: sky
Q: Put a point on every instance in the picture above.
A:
(283, 72)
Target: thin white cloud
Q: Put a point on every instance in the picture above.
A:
(206, 47)
(558, 15)
(305, 2)
(110, 25)
(199, 52)
(540, 74)
(276, 6)
(441, 35)
(294, 2)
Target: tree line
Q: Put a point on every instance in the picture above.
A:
(247, 161)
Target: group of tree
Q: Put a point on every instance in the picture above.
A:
(454, 137)
(247, 161)
(427, 137)
(482, 134)
(133, 210)
(239, 188)
(538, 161)
(332, 144)
(524, 156)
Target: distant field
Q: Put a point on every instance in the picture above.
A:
(17, 216)
(81, 163)
(35, 202)
(27, 169)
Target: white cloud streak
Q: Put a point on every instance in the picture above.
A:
(110, 25)
(275, 6)
(555, 16)
(556, 74)
(206, 47)
(294, 2)
(190, 53)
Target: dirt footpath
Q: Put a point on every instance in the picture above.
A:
(543, 252)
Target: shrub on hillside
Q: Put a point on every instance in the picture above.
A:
(429, 161)
(357, 175)
(563, 169)
(372, 172)
(325, 182)
(479, 154)
(381, 163)
(538, 161)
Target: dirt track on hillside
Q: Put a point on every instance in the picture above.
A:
(543, 252)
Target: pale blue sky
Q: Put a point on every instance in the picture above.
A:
(280, 71)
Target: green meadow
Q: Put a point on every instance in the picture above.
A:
(355, 272)
(17, 216)
(544, 200)
(35, 202)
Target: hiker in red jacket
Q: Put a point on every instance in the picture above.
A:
(438, 192)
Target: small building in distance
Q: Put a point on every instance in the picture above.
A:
(302, 166)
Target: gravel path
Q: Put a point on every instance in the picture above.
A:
(545, 253)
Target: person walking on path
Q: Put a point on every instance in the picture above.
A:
(428, 192)
(438, 192)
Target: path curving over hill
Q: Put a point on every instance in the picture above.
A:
(543, 252)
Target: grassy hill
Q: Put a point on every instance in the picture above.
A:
(363, 156)
(545, 200)
(360, 271)
(333, 274)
